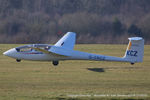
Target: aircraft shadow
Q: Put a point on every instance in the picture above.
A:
(96, 69)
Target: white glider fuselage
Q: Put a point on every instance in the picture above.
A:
(63, 50)
(72, 55)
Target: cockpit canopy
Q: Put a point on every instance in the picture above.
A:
(28, 48)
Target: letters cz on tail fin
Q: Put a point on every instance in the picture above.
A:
(135, 50)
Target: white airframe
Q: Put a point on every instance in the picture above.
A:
(63, 50)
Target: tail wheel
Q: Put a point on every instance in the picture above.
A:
(55, 63)
(18, 60)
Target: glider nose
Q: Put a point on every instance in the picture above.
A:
(6, 53)
(10, 52)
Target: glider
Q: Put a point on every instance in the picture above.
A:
(64, 50)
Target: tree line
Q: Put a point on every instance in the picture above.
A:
(94, 21)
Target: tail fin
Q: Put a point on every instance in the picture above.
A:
(135, 50)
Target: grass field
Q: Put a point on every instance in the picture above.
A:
(73, 80)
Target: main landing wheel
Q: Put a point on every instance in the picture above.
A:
(55, 63)
(132, 63)
(18, 60)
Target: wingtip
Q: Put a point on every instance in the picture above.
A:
(71, 33)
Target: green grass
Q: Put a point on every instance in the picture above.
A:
(30, 80)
